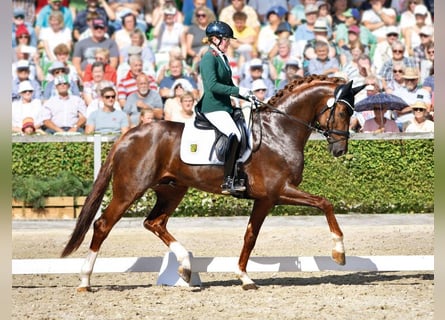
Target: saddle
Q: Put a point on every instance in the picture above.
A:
(220, 145)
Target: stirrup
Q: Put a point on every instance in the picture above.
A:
(227, 185)
(238, 185)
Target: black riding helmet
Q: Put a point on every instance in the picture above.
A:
(219, 29)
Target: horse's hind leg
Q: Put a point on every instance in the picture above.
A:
(292, 196)
(102, 227)
(168, 198)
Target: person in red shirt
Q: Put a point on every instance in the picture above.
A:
(101, 55)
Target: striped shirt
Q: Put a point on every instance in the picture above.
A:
(128, 86)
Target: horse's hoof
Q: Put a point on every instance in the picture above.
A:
(84, 289)
(185, 274)
(250, 286)
(339, 257)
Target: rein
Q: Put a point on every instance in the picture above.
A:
(325, 132)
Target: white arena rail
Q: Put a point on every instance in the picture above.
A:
(168, 265)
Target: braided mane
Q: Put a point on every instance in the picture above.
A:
(290, 87)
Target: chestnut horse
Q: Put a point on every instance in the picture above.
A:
(148, 157)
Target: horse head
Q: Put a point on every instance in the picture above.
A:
(333, 119)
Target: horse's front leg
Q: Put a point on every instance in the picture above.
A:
(292, 196)
(259, 212)
(168, 198)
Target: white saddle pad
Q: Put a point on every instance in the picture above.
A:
(196, 145)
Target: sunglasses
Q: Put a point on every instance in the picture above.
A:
(418, 109)
(201, 15)
(424, 35)
(98, 28)
(392, 35)
(57, 71)
(20, 17)
(23, 37)
(397, 70)
(262, 90)
(397, 51)
(110, 97)
(431, 51)
(27, 91)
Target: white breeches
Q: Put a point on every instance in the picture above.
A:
(224, 122)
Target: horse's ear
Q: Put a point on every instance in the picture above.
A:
(358, 89)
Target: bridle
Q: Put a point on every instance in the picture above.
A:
(327, 132)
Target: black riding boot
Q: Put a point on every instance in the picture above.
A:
(232, 184)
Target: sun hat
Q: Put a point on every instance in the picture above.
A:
(25, 86)
(320, 25)
(411, 73)
(258, 84)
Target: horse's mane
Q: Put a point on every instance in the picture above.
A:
(303, 82)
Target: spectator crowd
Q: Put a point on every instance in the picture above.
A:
(105, 66)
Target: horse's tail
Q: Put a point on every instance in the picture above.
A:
(91, 206)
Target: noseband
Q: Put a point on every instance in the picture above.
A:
(331, 105)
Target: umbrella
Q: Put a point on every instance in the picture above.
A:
(390, 101)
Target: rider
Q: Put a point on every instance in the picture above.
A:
(216, 103)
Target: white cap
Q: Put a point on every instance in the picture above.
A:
(22, 64)
(185, 84)
(256, 63)
(320, 25)
(258, 84)
(392, 29)
(427, 30)
(25, 86)
(420, 9)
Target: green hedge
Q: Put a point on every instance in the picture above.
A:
(391, 176)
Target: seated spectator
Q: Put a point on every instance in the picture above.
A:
(176, 72)
(185, 112)
(98, 79)
(410, 93)
(22, 71)
(62, 54)
(189, 9)
(267, 33)
(427, 64)
(397, 82)
(305, 31)
(122, 7)
(128, 84)
(101, 55)
(194, 34)
(22, 30)
(107, 119)
(353, 44)
(292, 70)
(100, 8)
(57, 69)
(147, 116)
(154, 13)
(358, 69)
(28, 127)
(122, 36)
(63, 112)
(42, 20)
(143, 98)
(31, 56)
(323, 64)
(378, 18)
(383, 49)
(173, 103)
(420, 122)
(53, 35)
(352, 16)
(97, 102)
(138, 45)
(279, 61)
(412, 34)
(245, 37)
(84, 50)
(263, 8)
(255, 73)
(380, 123)
(26, 107)
(398, 49)
(168, 33)
(226, 14)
